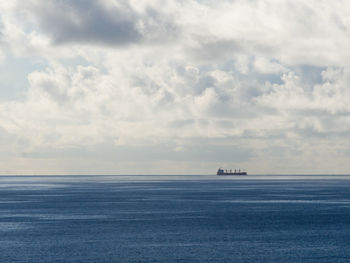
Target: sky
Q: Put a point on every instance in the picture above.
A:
(174, 87)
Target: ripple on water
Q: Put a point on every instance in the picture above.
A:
(285, 201)
(13, 226)
(70, 217)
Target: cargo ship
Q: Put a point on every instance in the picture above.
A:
(229, 172)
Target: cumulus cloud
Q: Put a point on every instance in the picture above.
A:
(292, 32)
(264, 66)
(86, 21)
(330, 96)
(201, 82)
(101, 22)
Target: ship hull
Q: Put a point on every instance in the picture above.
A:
(224, 174)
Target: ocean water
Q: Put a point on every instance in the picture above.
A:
(174, 219)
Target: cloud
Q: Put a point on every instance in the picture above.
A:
(264, 66)
(291, 32)
(258, 82)
(2, 57)
(216, 49)
(98, 22)
(86, 22)
(330, 96)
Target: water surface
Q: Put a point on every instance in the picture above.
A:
(174, 219)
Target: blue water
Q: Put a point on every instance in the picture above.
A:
(174, 219)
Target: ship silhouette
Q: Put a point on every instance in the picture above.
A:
(229, 172)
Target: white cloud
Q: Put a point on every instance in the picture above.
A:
(186, 76)
(264, 66)
(2, 57)
(331, 96)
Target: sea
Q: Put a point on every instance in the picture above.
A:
(163, 218)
